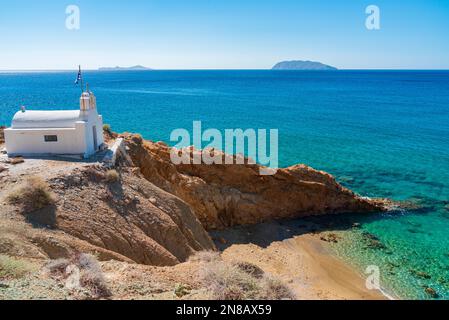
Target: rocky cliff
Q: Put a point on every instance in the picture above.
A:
(155, 212)
(145, 221)
(227, 195)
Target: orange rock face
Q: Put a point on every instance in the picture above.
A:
(226, 195)
(2, 134)
(131, 217)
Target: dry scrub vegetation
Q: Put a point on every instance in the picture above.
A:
(13, 268)
(98, 175)
(238, 280)
(112, 176)
(107, 128)
(81, 273)
(33, 194)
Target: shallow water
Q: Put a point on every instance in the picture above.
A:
(381, 133)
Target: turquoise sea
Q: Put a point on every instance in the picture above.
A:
(381, 133)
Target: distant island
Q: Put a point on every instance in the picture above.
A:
(302, 65)
(134, 68)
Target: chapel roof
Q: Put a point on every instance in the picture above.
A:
(45, 119)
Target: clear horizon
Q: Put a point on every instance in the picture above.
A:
(200, 35)
(214, 69)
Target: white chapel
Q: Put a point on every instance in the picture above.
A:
(64, 132)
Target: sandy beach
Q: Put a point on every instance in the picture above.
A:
(302, 260)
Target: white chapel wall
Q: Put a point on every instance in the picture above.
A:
(32, 142)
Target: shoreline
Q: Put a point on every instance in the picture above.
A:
(303, 261)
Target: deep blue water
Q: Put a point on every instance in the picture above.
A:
(381, 133)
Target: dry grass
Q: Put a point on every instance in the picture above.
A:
(226, 282)
(251, 269)
(272, 288)
(205, 256)
(58, 267)
(112, 176)
(108, 133)
(84, 274)
(107, 128)
(182, 290)
(239, 280)
(13, 268)
(33, 194)
(97, 175)
(94, 174)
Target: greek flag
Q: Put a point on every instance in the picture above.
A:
(78, 78)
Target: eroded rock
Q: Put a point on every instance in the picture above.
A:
(228, 195)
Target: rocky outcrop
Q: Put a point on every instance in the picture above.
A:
(18, 238)
(127, 219)
(131, 217)
(155, 212)
(2, 134)
(227, 195)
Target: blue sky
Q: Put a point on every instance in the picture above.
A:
(224, 34)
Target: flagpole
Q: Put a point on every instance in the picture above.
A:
(81, 78)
